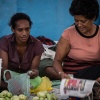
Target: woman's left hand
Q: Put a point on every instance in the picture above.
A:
(33, 73)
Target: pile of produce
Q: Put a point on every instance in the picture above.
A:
(6, 95)
(44, 95)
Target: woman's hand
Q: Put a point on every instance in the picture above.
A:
(98, 79)
(64, 75)
(33, 73)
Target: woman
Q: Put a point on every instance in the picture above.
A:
(78, 50)
(20, 51)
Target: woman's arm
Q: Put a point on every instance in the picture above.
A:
(34, 66)
(61, 52)
(4, 57)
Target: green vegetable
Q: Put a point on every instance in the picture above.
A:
(2, 99)
(49, 96)
(42, 94)
(6, 98)
(15, 97)
(9, 94)
(54, 96)
(2, 95)
(35, 98)
(45, 92)
(41, 98)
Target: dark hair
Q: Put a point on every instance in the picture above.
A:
(86, 8)
(19, 16)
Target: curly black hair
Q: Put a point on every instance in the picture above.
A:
(87, 8)
(19, 16)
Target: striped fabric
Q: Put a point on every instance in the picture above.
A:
(71, 66)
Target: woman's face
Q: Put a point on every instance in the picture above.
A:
(84, 25)
(22, 31)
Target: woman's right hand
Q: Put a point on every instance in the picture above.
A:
(33, 73)
(98, 79)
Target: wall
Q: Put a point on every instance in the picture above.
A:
(50, 17)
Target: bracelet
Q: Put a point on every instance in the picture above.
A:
(60, 73)
(30, 71)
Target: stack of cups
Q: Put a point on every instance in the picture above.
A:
(0, 69)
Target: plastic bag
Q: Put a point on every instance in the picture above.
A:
(19, 83)
(46, 85)
(34, 83)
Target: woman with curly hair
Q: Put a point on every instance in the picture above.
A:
(78, 50)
